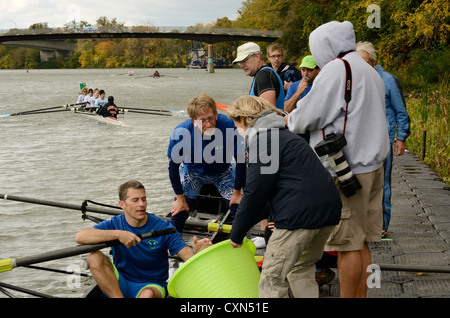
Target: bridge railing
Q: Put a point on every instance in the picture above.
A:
(142, 29)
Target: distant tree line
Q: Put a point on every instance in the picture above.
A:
(412, 37)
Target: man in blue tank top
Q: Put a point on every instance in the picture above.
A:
(267, 83)
(140, 268)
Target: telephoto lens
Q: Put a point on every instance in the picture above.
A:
(332, 146)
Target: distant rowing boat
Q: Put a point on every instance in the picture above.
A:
(101, 119)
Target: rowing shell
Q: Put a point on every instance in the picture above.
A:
(101, 119)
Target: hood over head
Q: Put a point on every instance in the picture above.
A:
(330, 39)
(269, 120)
(266, 121)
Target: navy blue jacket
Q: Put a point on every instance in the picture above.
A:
(300, 194)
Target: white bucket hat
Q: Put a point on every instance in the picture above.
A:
(245, 50)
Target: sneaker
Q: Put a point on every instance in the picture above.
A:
(325, 276)
(384, 234)
(259, 242)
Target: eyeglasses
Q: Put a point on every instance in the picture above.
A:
(275, 56)
(204, 121)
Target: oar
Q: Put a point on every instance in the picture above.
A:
(222, 106)
(148, 113)
(142, 76)
(153, 110)
(48, 108)
(9, 264)
(219, 227)
(35, 112)
(41, 110)
(59, 204)
(23, 290)
(218, 230)
(415, 268)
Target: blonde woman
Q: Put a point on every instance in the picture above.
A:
(82, 97)
(284, 177)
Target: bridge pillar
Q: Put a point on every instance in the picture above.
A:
(47, 55)
(210, 59)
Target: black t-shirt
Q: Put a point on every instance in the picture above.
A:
(266, 80)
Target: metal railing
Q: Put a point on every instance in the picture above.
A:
(142, 29)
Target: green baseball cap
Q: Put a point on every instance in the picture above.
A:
(308, 62)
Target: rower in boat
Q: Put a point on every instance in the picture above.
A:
(87, 97)
(92, 101)
(82, 96)
(102, 99)
(141, 266)
(156, 74)
(109, 109)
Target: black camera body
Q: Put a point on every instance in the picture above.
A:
(332, 146)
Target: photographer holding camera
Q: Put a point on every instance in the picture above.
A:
(345, 114)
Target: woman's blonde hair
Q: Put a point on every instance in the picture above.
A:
(200, 104)
(248, 108)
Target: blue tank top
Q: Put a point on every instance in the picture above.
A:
(280, 97)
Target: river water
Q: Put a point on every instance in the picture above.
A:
(68, 157)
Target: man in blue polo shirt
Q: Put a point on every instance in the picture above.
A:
(300, 88)
(140, 268)
(200, 152)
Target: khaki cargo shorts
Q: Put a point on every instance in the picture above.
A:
(361, 215)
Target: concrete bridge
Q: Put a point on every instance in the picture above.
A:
(48, 48)
(50, 41)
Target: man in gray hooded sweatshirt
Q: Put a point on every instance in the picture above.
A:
(362, 121)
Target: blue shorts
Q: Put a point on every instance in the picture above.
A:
(132, 289)
(193, 181)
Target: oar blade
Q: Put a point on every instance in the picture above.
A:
(222, 106)
(6, 265)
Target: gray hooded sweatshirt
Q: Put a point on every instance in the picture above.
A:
(324, 106)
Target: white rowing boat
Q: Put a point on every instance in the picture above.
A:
(101, 119)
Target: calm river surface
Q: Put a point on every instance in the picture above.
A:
(67, 157)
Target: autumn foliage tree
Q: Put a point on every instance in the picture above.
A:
(412, 38)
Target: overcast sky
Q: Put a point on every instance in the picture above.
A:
(23, 13)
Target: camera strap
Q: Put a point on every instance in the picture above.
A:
(347, 93)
